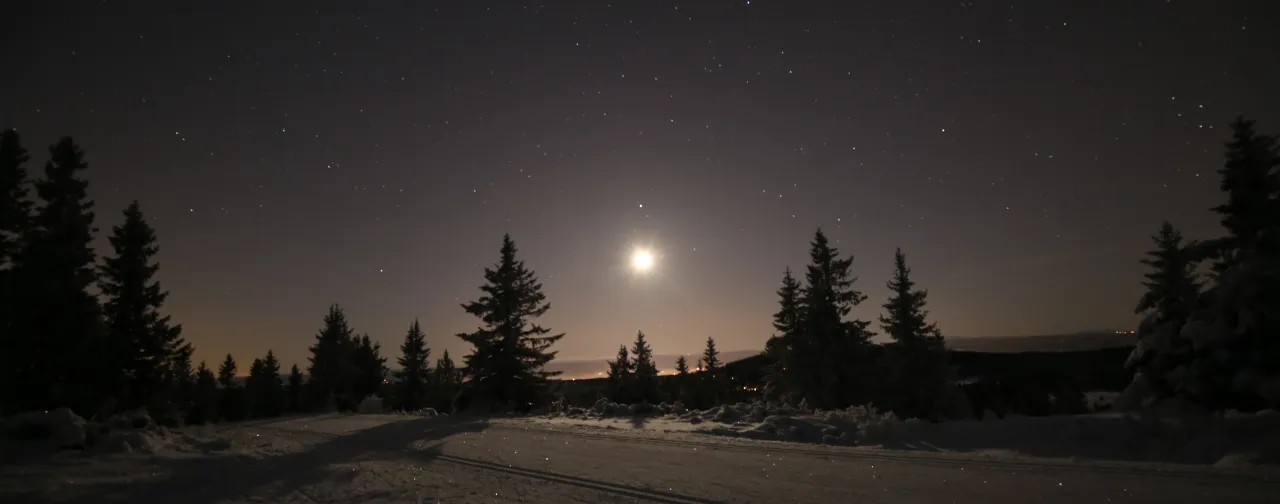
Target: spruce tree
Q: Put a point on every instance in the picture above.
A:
(231, 404)
(832, 354)
(414, 373)
(712, 382)
(682, 366)
(510, 349)
(181, 377)
(644, 370)
(905, 319)
(330, 370)
(15, 209)
(227, 372)
(15, 218)
(710, 356)
(446, 380)
(682, 379)
(621, 376)
(270, 394)
(371, 368)
(204, 407)
(788, 322)
(295, 389)
(255, 390)
(57, 326)
(1162, 353)
(920, 376)
(141, 342)
(1250, 211)
(1235, 354)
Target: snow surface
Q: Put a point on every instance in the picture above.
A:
(1231, 440)
(417, 459)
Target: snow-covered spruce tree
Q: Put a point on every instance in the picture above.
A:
(371, 368)
(645, 371)
(1162, 356)
(833, 359)
(329, 367)
(620, 376)
(415, 369)
(1236, 361)
(143, 344)
(787, 321)
(57, 329)
(1248, 178)
(446, 380)
(921, 381)
(509, 348)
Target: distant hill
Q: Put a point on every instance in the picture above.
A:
(596, 368)
(1046, 343)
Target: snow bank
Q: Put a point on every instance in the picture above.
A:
(1231, 439)
(424, 412)
(371, 405)
(42, 432)
(60, 428)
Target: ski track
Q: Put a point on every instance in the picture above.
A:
(978, 459)
(397, 459)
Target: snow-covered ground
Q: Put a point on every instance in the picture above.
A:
(1227, 441)
(410, 459)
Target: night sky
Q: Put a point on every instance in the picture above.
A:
(293, 154)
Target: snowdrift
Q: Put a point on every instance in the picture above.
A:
(38, 433)
(1231, 439)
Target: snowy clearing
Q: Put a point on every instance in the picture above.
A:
(412, 459)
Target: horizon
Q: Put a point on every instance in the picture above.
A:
(1083, 340)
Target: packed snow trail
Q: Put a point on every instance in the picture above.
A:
(398, 459)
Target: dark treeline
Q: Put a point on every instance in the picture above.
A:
(90, 333)
(99, 353)
(634, 378)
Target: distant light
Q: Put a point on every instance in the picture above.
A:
(642, 260)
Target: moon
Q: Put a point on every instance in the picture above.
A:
(642, 260)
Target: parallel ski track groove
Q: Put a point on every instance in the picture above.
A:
(564, 479)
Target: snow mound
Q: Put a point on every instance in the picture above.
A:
(60, 428)
(854, 426)
(1172, 435)
(129, 432)
(371, 405)
(424, 412)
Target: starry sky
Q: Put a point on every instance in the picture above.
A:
(294, 153)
